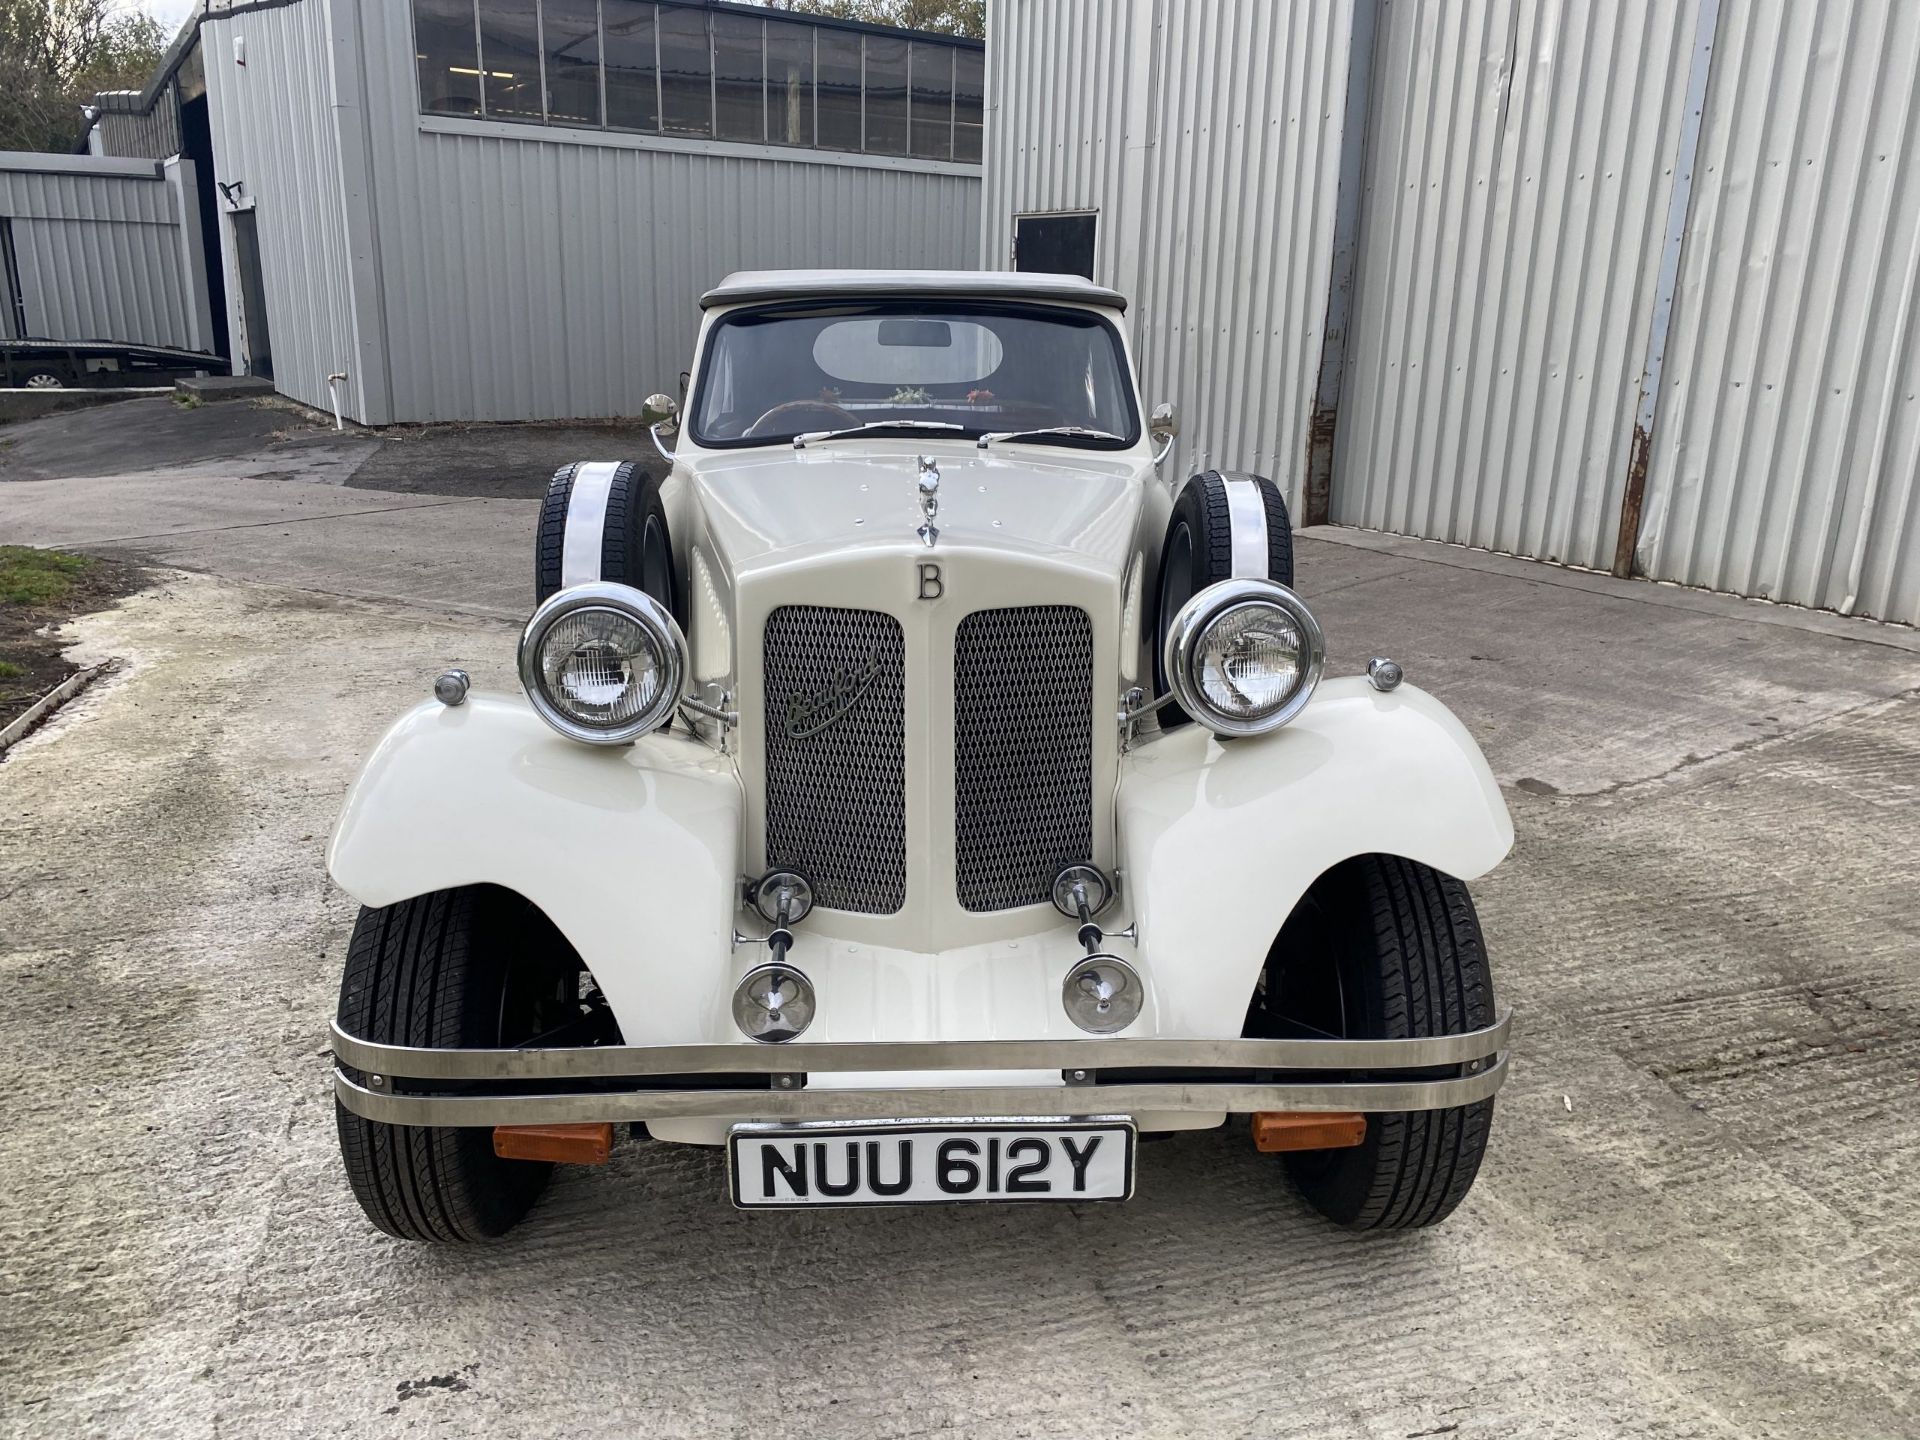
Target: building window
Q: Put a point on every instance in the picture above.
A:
(739, 78)
(789, 83)
(447, 52)
(969, 104)
(510, 60)
(633, 65)
(702, 71)
(570, 36)
(837, 89)
(886, 96)
(930, 109)
(686, 73)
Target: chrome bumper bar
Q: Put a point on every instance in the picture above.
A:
(409, 1085)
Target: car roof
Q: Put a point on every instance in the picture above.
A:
(746, 285)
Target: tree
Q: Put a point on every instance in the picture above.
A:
(942, 17)
(55, 55)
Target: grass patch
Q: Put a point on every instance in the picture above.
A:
(38, 577)
(9, 670)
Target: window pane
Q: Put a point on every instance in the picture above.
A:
(686, 73)
(789, 83)
(739, 103)
(886, 95)
(838, 86)
(633, 88)
(969, 108)
(932, 107)
(571, 29)
(448, 58)
(510, 54)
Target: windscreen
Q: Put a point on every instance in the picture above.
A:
(775, 372)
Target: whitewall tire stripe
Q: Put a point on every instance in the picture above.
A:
(586, 522)
(1247, 515)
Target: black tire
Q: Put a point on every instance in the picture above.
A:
(1384, 947)
(1199, 552)
(477, 966)
(636, 547)
(40, 378)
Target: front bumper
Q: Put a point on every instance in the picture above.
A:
(406, 1085)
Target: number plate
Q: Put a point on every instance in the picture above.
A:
(929, 1162)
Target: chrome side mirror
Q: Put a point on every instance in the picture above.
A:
(660, 412)
(661, 415)
(1164, 427)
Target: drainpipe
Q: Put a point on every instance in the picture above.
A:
(334, 382)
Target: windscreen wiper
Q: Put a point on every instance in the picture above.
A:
(800, 442)
(1080, 431)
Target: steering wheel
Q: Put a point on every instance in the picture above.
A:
(830, 417)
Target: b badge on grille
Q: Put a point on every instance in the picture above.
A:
(811, 712)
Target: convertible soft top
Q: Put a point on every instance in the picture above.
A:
(748, 285)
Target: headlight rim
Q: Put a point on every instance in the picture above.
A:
(1205, 607)
(639, 607)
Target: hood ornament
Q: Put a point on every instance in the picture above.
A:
(929, 499)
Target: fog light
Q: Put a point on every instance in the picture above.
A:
(773, 1003)
(1103, 994)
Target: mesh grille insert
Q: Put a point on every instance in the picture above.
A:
(1023, 752)
(836, 754)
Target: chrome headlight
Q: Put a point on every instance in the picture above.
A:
(1242, 657)
(603, 663)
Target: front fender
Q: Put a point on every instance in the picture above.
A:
(1220, 840)
(632, 852)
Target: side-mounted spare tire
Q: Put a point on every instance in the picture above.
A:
(1224, 526)
(605, 521)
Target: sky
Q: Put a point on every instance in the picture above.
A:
(168, 12)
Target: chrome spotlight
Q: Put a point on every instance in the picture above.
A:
(1103, 994)
(773, 1003)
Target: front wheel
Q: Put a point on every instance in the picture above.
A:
(1384, 948)
(473, 967)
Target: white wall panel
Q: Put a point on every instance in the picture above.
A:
(1519, 168)
(276, 141)
(1236, 236)
(1207, 135)
(98, 244)
(1787, 441)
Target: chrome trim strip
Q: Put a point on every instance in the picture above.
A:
(586, 522)
(1247, 519)
(821, 1058)
(911, 1104)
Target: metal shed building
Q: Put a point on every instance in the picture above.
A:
(507, 209)
(1627, 284)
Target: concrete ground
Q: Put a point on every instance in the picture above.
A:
(1700, 1215)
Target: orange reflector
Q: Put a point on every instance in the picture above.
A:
(562, 1144)
(1277, 1130)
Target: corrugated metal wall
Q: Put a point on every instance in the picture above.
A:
(1237, 233)
(1069, 137)
(124, 128)
(98, 244)
(1207, 135)
(1787, 442)
(276, 142)
(527, 277)
(465, 270)
(1517, 179)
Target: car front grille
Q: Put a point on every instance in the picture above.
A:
(836, 754)
(1022, 752)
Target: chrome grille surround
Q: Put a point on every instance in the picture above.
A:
(1022, 752)
(836, 754)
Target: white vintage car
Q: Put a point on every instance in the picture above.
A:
(920, 795)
